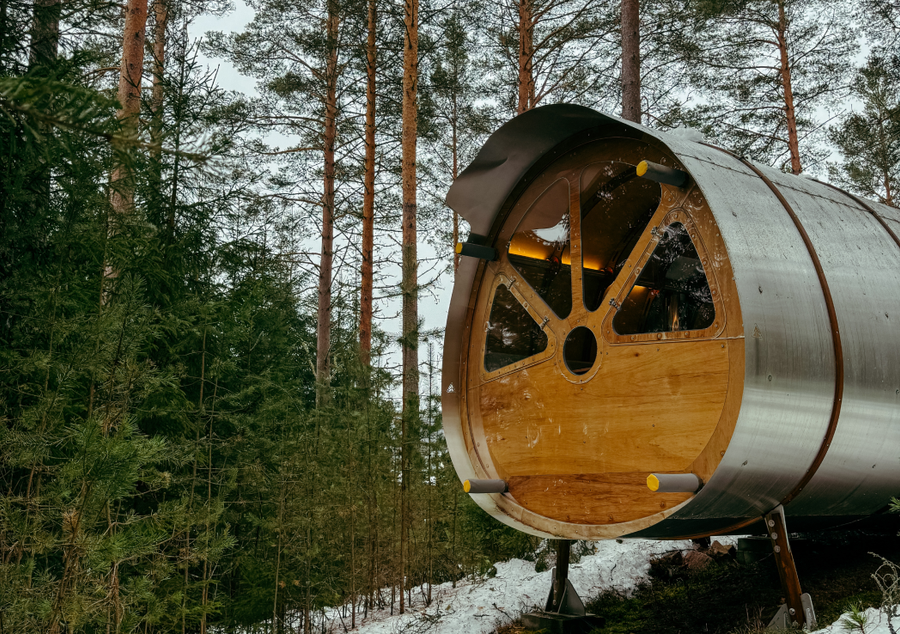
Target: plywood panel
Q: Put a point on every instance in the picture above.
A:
(592, 498)
(650, 407)
(576, 450)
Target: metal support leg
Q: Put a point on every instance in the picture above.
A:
(564, 612)
(798, 610)
(556, 601)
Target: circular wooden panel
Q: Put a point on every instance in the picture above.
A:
(575, 431)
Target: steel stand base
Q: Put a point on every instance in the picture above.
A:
(564, 612)
(784, 621)
(553, 623)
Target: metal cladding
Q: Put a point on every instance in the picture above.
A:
(817, 291)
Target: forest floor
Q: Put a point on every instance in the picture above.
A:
(636, 598)
(731, 598)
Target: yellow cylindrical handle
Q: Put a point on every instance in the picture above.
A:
(661, 173)
(674, 482)
(485, 486)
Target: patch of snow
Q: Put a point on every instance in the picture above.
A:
(479, 606)
(876, 623)
(689, 134)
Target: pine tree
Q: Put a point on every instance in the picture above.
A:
(870, 140)
(453, 124)
(554, 50)
(368, 220)
(769, 65)
(631, 60)
(409, 284)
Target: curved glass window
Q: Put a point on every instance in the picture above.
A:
(539, 249)
(512, 335)
(616, 207)
(672, 292)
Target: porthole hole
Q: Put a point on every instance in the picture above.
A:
(580, 350)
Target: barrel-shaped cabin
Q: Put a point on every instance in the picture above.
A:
(633, 304)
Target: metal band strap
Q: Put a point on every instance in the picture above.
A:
(835, 331)
(862, 203)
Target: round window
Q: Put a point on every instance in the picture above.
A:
(580, 350)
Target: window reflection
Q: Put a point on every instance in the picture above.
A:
(512, 335)
(672, 292)
(539, 249)
(616, 207)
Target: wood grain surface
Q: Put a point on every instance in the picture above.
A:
(576, 449)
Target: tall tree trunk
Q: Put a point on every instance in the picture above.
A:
(71, 528)
(883, 155)
(129, 95)
(409, 282)
(372, 499)
(44, 47)
(161, 21)
(43, 52)
(176, 136)
(4, 31)
(155, 191)
(207, 565)
(201, 408)
(368, 229)
(323, 327)
(351, 509)
(429, 518)
(276, 626)
(454, 124)
(789, 113)
(526, 56)
(631, 60)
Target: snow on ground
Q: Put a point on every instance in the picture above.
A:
(875, 623)
(479, 606)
